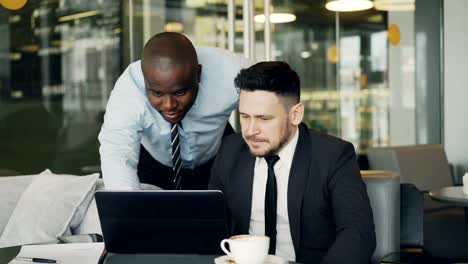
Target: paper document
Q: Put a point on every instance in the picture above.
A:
(79, 253)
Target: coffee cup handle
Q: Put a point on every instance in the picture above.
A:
(222, 244)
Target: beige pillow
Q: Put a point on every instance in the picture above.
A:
(48, 208)
(91, 223)
(11, 189)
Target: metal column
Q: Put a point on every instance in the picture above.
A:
(267, 31)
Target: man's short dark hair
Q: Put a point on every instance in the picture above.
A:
(273, 76)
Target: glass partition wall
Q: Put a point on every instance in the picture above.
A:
(59, 60)
(58, 63)
(344, 60)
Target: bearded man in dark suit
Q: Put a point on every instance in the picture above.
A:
(301, 188)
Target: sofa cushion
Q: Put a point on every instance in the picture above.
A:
(48, 207)
(11, 188)
(91, 223)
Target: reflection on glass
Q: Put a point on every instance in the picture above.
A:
(344, 82)
(59, 63)
(59, 60)
(204, 22)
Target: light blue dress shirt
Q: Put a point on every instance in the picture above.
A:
(131, 120)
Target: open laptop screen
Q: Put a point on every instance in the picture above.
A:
(189, 222)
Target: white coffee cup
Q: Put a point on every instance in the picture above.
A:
(247, 249)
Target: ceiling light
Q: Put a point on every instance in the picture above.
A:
(276, 18)
(348, 5)
(378, 18)
(174, 27)
(195, 3)
(394, 5)
(305, 54)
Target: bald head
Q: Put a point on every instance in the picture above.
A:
(167, 50)
(172, 74)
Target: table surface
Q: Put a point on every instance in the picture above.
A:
(453, 195)
(89, 253)
(165, 259)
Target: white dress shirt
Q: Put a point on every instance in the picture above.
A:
(284, 244)
(131, 120)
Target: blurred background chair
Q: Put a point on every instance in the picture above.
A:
(425, 166)
(445, 232)
(398, 214)
(383, 188)
(411, 218)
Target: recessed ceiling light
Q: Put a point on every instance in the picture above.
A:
(174, 27)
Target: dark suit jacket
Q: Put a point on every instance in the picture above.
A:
(330, 216)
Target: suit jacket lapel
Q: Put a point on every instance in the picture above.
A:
(244, 179)
(297, 183)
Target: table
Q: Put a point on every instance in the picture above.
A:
(158, 258)
(164, 259)
(452, 195)
(89, 253)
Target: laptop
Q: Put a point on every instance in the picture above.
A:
(162, 222)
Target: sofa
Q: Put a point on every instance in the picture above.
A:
(49, 208)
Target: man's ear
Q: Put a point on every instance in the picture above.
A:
(296, 113)
(199, 71)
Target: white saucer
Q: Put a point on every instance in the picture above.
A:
(271, 259)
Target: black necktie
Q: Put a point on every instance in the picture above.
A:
(270, 203)
(176, 161)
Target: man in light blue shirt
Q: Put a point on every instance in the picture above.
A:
(173, 86)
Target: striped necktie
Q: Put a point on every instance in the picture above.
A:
(176, 161)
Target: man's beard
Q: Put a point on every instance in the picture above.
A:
(276, 148)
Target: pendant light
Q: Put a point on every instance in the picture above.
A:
(278, 14)
(395, 5)
(348, 5)
(276, 18)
